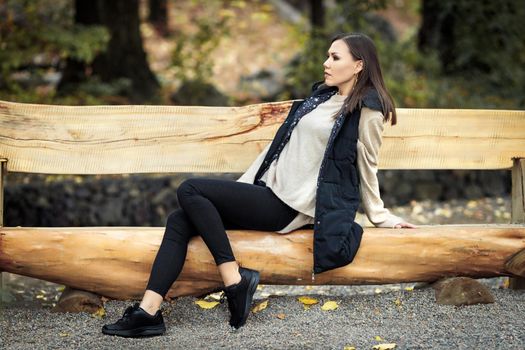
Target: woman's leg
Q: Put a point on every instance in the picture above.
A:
(209, 206)
(214, 205)
(169, 260)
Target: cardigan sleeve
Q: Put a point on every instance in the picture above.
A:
(370, 138)
(249, 175)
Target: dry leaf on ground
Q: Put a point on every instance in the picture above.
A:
(207, 304)
(261, 306)
(384, 346)
(100, 313)
(330, 305)
(307, 302)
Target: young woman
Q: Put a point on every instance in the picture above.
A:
(321, 164)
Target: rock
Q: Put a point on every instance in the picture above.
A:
(461, 291)
(73, 300)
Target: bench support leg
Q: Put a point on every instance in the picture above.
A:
(518, 207)
(3, 171)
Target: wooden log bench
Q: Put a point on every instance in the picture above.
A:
(116, 261)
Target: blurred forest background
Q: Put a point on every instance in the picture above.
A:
(434, 54)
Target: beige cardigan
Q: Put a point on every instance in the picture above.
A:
(369, 141)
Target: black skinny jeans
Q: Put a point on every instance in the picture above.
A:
(208, 208)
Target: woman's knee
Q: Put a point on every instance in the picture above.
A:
(178, 226)
(186, 189)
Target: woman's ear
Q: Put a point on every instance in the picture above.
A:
(359, 66)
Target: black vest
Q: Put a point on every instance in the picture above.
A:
(336, 236)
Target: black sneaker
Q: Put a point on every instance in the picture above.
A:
(136, 323)
(240, 296)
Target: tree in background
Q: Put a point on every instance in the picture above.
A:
(483, 39)
(36, 36)
(158, 16)
(347, 16)
(124, 59)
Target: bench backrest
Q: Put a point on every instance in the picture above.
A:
(168, 139)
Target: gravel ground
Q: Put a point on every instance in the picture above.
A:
(409, 318)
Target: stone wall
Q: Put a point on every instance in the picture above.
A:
(146, 200)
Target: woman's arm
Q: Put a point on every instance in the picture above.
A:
(370, 139)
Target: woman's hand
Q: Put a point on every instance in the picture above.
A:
(405, 224)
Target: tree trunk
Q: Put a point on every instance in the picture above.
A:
(74, 72)
(124, 57)
(317, 14)
(116, 261)
(437, 31)
(158, 15)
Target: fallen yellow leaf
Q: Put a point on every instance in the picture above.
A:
(384, 346)
(63, 334)
(330, 305)
(307, 300)
(281, 316)
(397, 302)
(207, 304)
(260, 306)
(349, 348)
(378, 338)
(100, 313)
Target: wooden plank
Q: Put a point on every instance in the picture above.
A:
(116, 261)
(518, 207)
(159, 139)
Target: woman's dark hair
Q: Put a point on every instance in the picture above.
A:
(361, 47)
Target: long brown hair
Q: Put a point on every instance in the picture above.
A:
(361, 47)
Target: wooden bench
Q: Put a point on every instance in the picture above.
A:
(116, 261)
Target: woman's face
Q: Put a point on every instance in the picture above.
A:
(340, 68)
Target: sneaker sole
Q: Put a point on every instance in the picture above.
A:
(252, 287)
(138, 332)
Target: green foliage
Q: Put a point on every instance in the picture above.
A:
(416, 79)
(192, 57)
(487, 45)
(40, 33)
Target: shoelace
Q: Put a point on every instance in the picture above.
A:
(126, 315)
